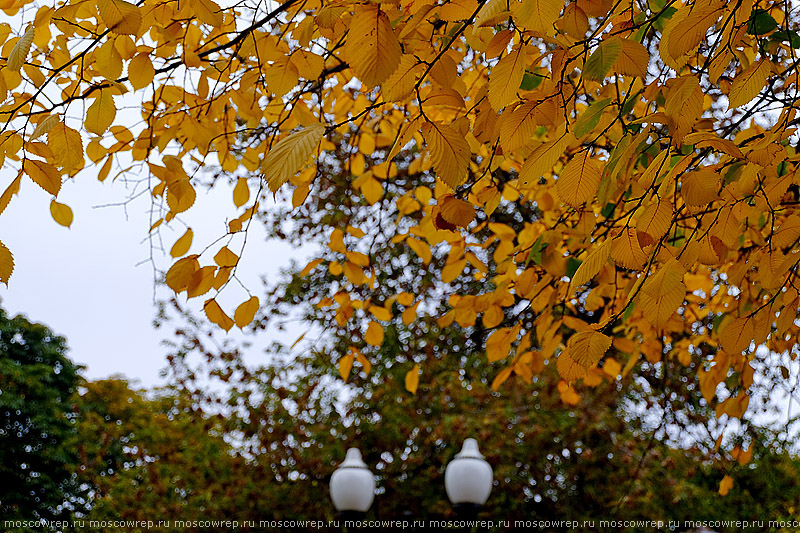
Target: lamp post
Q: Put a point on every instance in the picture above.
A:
(468, 480)
(352, 487)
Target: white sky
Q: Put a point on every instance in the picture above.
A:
(84, 282)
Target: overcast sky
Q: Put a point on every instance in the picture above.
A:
(94, 283)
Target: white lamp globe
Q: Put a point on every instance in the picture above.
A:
(352, 484)
(468, 477)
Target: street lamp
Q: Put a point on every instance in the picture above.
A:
(468, 479)
(352, 487)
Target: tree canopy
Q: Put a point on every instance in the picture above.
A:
(595, 185)
(38, 458)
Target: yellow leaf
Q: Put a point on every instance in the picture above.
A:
(410, 314)
(18, 54)
(579, 180)
(141, 71)
(363, 360)
(226, 258)
(542, 160)
(241, 192)
(700, 188)
(655, 221)
(587, 347)
(100, 114)
(282, 76)
(749, 83)
(412, 379)
(289, 154)
(662, 294)
(568, 394)
(372, 190)
(611, 367)
(374, 335)
(372, 48)
(568, 368)
(44, 175)
(381, 313)
(208, 12)
(456, 212)
(10, 191)
(493, 316)
(506, 77)
(592, 265)
(246, 311)
(633, 59)
(180, 195)
(346, 365)
(179, 276)
(354, 273)
(401, 83)
(518, 124)
(420, 248)
(216, 315)
(449, 151)
(690, 31)
(67, 147)
(725, 485)
(537, 15)
(737, 335)
(120, 16)
(574, 22)
(202, 281)
(6, 264)
(451, 271)
(788, 232)
(498, 345)
(44, 126)
(61, 213)
(501, 378)
(490, 11)
(626, 250)
(309, 267)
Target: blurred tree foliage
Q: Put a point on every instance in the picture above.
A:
(37, 436)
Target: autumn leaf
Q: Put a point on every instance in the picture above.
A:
(120, 16)
(374, 335)
(61, 213)
(372, 47)
(506, 77)
(412, 379)
(289, 154)
(456, 212)
(725, 485)
(100, 115)
(6, 264)
(450, 153)
(216, 315)
(749, 83)
(18, 54)
(579, 180)
(246, 311)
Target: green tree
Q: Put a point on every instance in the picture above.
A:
(38, 451)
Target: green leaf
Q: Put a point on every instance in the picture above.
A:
(601, 61)
(608, 210)
(572, 266)
(761, 22)
(530, 81)
(790, 37)
(591, 117)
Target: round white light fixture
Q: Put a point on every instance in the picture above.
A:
(352, 484)
(468, 477)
